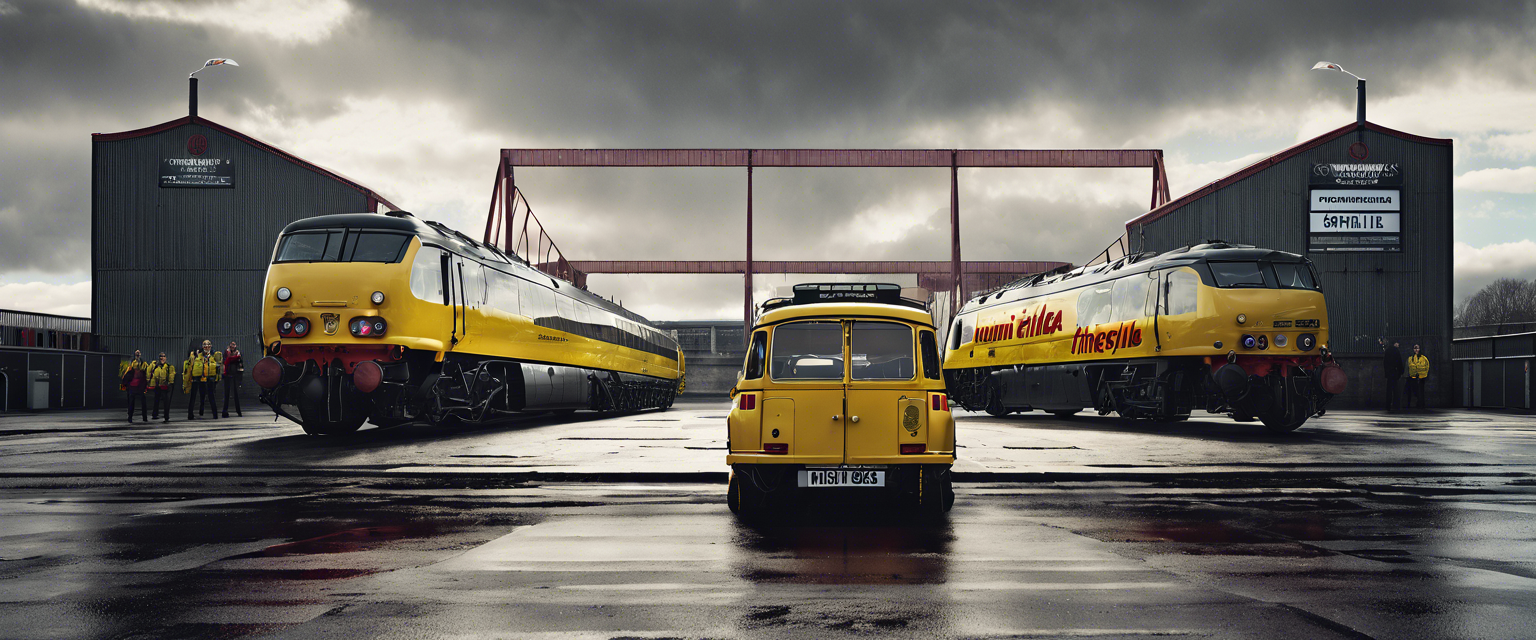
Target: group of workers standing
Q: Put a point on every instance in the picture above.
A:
(1392, 367)
(200, 374)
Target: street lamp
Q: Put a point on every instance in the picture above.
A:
(192, 81)
(1359, 87)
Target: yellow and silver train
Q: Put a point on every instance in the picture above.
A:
(1226, 328)
(390, 319)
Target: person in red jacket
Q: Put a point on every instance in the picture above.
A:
(136, 382)
(234, 369)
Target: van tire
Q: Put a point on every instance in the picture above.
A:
(935, 491)
(744, 497)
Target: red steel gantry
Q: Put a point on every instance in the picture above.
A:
(548, 257)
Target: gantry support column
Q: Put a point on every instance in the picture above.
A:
(746, 321)
(956, 276)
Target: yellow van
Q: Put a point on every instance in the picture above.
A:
(842, 391)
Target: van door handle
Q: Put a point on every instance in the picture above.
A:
(836, 417)
(853, 418)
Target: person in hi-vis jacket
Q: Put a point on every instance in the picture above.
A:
(202, 376)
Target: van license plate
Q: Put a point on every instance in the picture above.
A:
(841, 478)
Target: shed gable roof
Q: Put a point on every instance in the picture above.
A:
(1250, 170)
(186, 120)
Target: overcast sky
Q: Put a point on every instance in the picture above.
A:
(414, 98)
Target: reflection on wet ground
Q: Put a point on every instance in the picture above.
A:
(1355, 527)
(844, 544)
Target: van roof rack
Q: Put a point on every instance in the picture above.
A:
(818, 292)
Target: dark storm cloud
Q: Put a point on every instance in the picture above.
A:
(703, 73)
(715, 74)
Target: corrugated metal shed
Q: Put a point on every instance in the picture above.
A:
(1404, 295)
(172, 266)
(31, 320)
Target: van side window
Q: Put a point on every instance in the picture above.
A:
(930, 348)
(756, 354)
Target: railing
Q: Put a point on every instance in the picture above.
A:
(513, 227)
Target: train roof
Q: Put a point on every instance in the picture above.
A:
(447, 237)
(1067, 278)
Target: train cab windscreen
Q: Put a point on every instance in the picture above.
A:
(341, 245)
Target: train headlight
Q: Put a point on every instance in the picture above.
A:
(283, 294)
(1263, 342)
(1249, 342)
(1306, 341)
(1279, 340)
(1242, 318)
(378, 297)
(368, 327)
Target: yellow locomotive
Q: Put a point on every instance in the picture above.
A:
(1226, 328)
(391, 319)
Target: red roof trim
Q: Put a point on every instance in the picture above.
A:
(1273, 160)
(372, 195)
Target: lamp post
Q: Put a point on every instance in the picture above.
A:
(192, 81)
(1359, 88)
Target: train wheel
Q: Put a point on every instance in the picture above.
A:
(995, 406)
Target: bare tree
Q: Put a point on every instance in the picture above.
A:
(1506, 300)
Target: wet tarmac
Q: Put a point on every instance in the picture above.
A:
(1358, 526)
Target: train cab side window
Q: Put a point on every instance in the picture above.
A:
(1294, 275)
(1237, 275)
(1154, 291)
(931, 368)
(1182, 288)
(501, 291)
(427, 275)
(1094, 304)
(474, 284)
(1129, 298)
